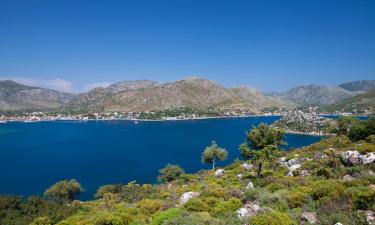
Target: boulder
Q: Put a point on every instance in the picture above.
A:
(370, 217)
(368, 158)
(187, 196)
(249, 210)
(219, 172)
(247, 166)
(347, 178)
(338, 223)
(293, 168)
(250, 185)
(351, 157)
(308, 218)
(296, 161)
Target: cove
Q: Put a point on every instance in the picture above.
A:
(34, 156)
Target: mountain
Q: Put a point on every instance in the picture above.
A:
(362, 85)
(191, 92)
(15, 96)
(316, 95)
(363, 103)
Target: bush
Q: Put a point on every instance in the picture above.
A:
(324, 172)
(226, 206)
(41, 221)
(149, 206)
(105, 189)
(272, 218)
(170, 173)
(64, 190)
(160, 217)
(196, 205)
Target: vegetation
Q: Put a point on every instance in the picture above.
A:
(262, 144)
(170, 173)
(213, 153)
(354, 128)
(64, 190)
(322, 186)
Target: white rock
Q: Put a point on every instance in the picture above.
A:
(351, 157)
(338, 223)
(187, 196)
(370, 217)
(294, 167)
(368, 158)
(347, 178)
(250, 185)
(247, 166)
(249, 210)
(309, 217)
(239, 176)
(219, 172)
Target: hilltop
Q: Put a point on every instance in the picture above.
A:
(191, 92)
(359, 104)
(15, 96)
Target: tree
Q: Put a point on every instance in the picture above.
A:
(213, 153)
(170, 172)
(64, 190)
(354, 128)
(262, 143)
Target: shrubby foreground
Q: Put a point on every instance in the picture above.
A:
(329, 182)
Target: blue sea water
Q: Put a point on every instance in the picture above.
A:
(34, 156)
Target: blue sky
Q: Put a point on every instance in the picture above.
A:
(74, 45)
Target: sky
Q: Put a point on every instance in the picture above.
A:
(273, 45)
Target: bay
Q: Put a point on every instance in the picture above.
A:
(34, 156)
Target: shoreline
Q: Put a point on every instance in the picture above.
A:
(135, 120)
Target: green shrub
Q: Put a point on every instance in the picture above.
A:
(272, 218)
(226, 206)
(324, 172)
(365, 200)
(196, 205)
(114, 189)
(160, 217)
(170, 172)
(41, 221)
(150, 206)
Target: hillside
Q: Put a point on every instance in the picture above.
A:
(14, 97)
(316, 95)
(187, 93)
(363, 103)
(361, 85)
(324, 183)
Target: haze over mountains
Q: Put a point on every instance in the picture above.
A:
(192, 92)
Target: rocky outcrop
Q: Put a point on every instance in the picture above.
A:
(309, 218)
(351, 158)
(187, 196)
(219, 173)
(249, 210)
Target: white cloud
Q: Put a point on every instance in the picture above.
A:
(89, 87)
(54, 84)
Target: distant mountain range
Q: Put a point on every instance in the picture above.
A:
(192, 92)
(15, 97)
(145, 95)
(358, 104)
(320, 95)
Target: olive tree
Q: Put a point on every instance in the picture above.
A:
(64, 190)
(262, 143)
(170, 172)
(213, 153)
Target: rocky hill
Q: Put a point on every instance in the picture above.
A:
(14, 97)
(362, 85)
(316, 95)
(191, 92)
(363, 104)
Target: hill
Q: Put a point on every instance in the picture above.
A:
(15, 97)
(315, 95)
(362, 85)
(320, 184)
(363, 103)
(191, 92)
